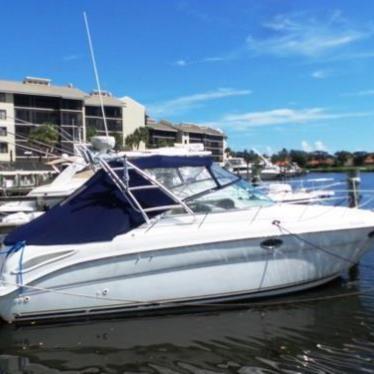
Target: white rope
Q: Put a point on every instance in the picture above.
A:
(65, 293)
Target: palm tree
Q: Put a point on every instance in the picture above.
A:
(130, 141)
(45, 136)
(118, 141)
(229, 152)
(141, 134)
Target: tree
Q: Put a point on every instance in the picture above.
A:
(90, 133)
(249, 157)
(342, 157)
(359, 158)
(320, 155)
(300, 157)
(141, 134)
(45, 136)
(130, 141)
(118, 141)
(228, 152)
(283, 155)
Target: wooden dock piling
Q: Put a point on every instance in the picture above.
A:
(353, 183)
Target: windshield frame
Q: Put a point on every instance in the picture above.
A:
(218, 186)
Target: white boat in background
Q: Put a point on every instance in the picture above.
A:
(167, 231)
(238, 166)
(18, 182)
(40, 199)
(49, 194)
(286, 193)
(266, 169)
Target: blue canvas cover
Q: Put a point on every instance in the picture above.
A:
(98, 211)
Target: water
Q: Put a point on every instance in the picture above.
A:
(333, 335)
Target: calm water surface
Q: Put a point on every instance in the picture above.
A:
(327, 336)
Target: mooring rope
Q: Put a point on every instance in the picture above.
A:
(300, 238)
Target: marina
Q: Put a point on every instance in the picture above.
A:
(221, 220)
(304, 332)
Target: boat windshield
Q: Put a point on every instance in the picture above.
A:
(209, 190)
(184, 181)
(235, 161)
(238, 195)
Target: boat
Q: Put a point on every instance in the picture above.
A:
(162, 232)
(23, 209)
(20, 182)
(74, 171)
(287, 193)
(264, 170)
(238, 166)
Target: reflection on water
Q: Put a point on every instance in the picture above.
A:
(330, 336)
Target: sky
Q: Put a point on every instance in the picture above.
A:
(271, 74)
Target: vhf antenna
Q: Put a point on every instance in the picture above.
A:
(95, 71)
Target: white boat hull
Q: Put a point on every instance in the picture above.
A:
(184, 276)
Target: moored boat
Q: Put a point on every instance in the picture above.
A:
(161, 232)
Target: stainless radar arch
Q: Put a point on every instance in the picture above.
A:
(123, 186)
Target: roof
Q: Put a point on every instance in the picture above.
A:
(162, 126)
(190, 128)
(199, 129)
(127, 99)
(41, 89)
(94, 100)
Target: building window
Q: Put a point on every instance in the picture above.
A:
(3, 131)
(2, 97)
(3, 147)
(2, 114)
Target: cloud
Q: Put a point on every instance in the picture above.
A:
(359, 93)
(181, 63)
(214, 59)
(204, 60)
(269, 150)
(328, 38)
(320, 146)
(302, 35)
(277, 116)
(284, 116)
(320, 74)
(71, 57)
(306, 146)
(185, 103)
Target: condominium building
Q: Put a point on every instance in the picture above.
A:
(213, 139)
(161, 133)
(76, 114)
(165, 133)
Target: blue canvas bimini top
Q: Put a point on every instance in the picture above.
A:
(99, 211)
